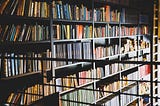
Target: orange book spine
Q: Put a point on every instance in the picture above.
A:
(107, 13)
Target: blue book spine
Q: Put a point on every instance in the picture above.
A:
(13, 33)
(65, 11)
(58, 11)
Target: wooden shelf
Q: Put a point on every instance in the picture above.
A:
(13, 19)
(108, 79)
(23, 47)
(49, 100)
(72, 22)
(72, 69)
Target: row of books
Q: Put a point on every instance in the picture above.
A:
(101, 72)
(86, 77)
(85, 31)
(72, 31)
(24, 8)
(66, 83)
(82, 50)
(144, 44)
(113, 68)
(107, 14)
(74, 50)
(128, 66)
(14, 66)
(131, 76)
(72, 11)
(128, 31)
(80, 97)
(24, 32)
(63, 10)
(41, 32)
(128, 45)
(125, 99)
(108, 89)
(102, 14)
(72, 81)
(78, 50)
(113, 102)
(102, 52)
(26, 96)
(106, 31)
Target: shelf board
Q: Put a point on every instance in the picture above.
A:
(13, 19)
(101, 42)
(123, 89)
(43, 0)
(132, 54)
(108, 79)
(72, 40)
(47, 100)
(76, 88)
(104, 23)
(64, 21)
(23, 47)
(67, 70)
(26, 79)
(130, 70)
(114, 57)
(129, 37)
(113, 41)
(102, 62)
(129, 24)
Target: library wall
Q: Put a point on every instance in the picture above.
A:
(96, 52)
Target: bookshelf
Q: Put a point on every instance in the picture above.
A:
(25, 55)
(156, 50)
(112, 31)
(78, 53)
